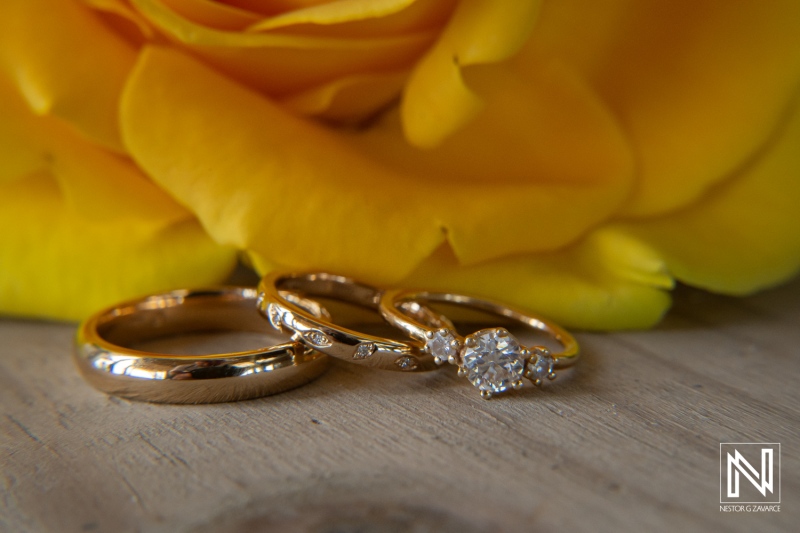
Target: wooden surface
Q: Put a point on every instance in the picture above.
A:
(628, 442)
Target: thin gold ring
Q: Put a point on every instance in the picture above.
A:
(492, 359)
(340, 342)
(103, 358)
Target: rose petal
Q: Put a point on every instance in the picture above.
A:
(699, 85)
(66, 63)
(544, 163)
(213, 14)
(606, 281)
(334, 13)
(274, 7)
(122, 11)
(85, 228)
(262, 179)
(350, 99)
(21, 150)
(745, 234)
(437, 102)
(96, 184)
(361, 18)
(306, 196)
(56, 264)
(283, 64)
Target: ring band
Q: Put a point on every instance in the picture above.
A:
(492, 359)
(339, 342)
(105, 362)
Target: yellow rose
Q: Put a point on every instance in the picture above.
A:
(574, 158)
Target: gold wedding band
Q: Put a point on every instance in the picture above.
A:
(340, 342)
(492, 359)
(102, 355)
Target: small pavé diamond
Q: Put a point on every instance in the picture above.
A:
(316, 338)
(441, 344)
(364, 350)
(541, 367)
(407, 363)
(493, 360)
(275, 316)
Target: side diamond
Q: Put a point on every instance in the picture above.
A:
(441, 344)
(364, 350)
(541, 367)
(316, 338)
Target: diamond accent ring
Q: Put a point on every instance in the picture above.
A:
(492, 359)
(278, 302)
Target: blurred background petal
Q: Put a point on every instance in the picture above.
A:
(84, 228)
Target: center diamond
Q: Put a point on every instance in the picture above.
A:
(493, 360)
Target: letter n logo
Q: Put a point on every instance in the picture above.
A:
(748, 473)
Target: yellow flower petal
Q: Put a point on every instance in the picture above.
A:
(262, 179)
(84, 227)
(283, 64)
(213, 14)
(305, 196)
(21, 145)
(437, 102)
(350, 99)
(95, 183)
(745, 235)
(541, 166)
(274, 7)
(604, 282)
(351, 18)
(122, 16)
(698, 85)
(56, 264)
(334, 13)
(66, 63)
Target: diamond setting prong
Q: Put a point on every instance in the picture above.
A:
(486, 395)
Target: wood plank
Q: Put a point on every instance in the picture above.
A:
(629, 441)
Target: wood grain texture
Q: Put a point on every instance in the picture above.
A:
(628, 442)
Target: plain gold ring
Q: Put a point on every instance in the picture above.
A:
(105, 360)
